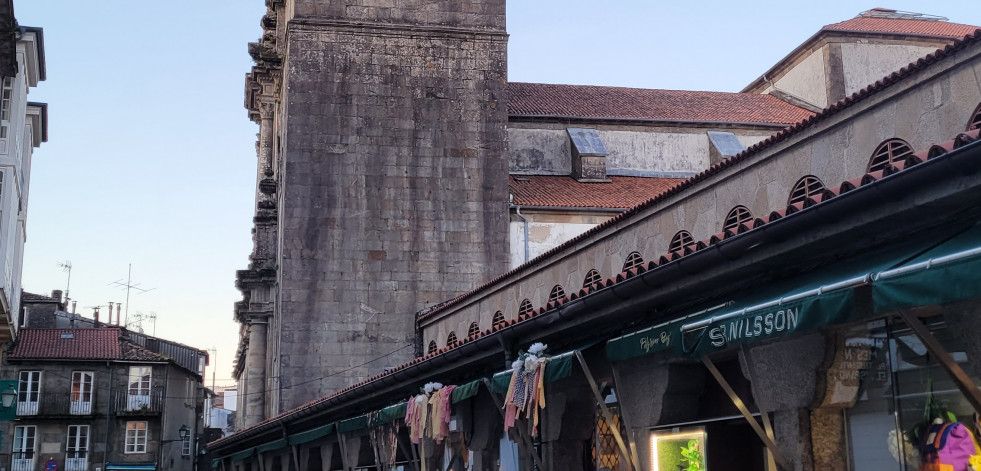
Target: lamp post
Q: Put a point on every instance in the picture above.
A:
(8, 400)
(184, 432)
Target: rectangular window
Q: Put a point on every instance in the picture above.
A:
(136, 437)
(77, 448)
(29, 394)
(139, 387)
(186, 445)
(22, 452)
(81, 394)
(6, 95)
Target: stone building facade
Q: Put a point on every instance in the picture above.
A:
(397, 170)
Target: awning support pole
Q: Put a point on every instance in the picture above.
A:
(770, 444)
(961, 379)
(410, 455)
(340, 444)
(525, 442)
(624, 417)
(262, 461)
(751, 367)
(606, 411)
(295, 451)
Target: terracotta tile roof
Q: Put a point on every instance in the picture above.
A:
(862, 24)
(84, 344)
(565, 191)
(79, 344)
(585, 101)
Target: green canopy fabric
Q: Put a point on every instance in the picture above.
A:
(248, 453)
(808, 302)
(355, 423)
(271, 446)
(947, 273)
(310, 435)
(464, 392)
(388, 415)
(558, 367)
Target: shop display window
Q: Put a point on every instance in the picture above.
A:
(682, 450)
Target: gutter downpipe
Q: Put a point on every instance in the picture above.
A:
(105, 453)
(517, 210)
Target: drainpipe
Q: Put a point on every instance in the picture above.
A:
(517, 210)
(105, 452)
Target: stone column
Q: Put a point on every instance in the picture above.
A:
(255, 366)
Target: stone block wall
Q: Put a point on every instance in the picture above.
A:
(394, 185)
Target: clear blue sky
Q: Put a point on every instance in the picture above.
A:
(151, 158)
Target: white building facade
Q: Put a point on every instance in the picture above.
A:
(23, 127)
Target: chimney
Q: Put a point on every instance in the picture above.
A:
(588, 155)
(74, 303)
(95, 315)
(56, 293)
(119, 310)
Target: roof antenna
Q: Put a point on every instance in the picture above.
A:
(129, 285)
(66, 266)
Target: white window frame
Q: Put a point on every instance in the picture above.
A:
(136, 437)
(23, 450)
(77, 448)
(6, 105)
(81, 398)
(140, 379)
(29, 392)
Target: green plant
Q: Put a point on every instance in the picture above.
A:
(692, 455)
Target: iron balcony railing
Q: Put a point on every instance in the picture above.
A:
(56, 404)
(150, 403)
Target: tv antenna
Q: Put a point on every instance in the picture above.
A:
(129, 285)
(66, 266)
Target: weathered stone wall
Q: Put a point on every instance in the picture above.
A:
(863, 64)
(545, 149)
(928, 108)
(808, 79)
(394, 185)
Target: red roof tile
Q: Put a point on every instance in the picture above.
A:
(584, 101)
(83, 344)
(862, 24)
(79, 344)
(565, 191)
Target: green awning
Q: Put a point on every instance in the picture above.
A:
(465, 391)
(388, 415)
(355, 423)
(248, 453)
(558, 367)
(947, 273)
(131, 466)
(808, 302)
(310, 435)
(271, 446)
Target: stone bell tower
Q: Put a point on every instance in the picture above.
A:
(382, 185)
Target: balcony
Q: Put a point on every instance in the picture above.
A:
(137, 404)
(56, 405)
(76, 464)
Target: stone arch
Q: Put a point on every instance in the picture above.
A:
(808, 186)
(634, 260)
(737, 216)
(680, 240)
(592, 277)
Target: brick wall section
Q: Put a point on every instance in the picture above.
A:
(394, 193)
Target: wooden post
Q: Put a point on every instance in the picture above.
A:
(606, 411)
(961, 379)
(770, 444)
(631, 440)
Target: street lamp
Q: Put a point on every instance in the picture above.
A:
(184, 432)
(8, 396)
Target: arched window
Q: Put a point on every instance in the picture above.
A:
(975, 122)
(556, 294)
(451, 339)
(432, 348)
(737, 216)
(893, 150)
(680, 240)
(473, 330)
(805, 188)
(498, 319)
(525, 307)
(634, 260)
(592, 277)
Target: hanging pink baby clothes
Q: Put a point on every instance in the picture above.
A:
(416, 414)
